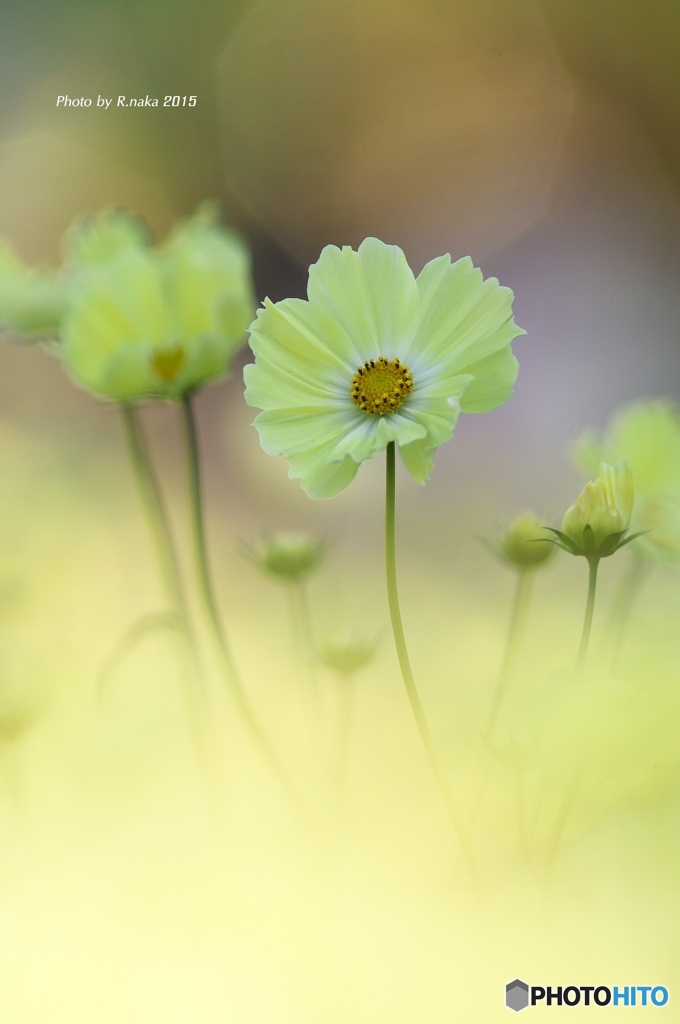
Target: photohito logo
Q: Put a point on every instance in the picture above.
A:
(519, 995)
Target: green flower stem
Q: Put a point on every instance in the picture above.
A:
(155, 510)
(518, 620)
(593, 565)
(201, 563)
(405, 666)
(210, 604)
(154, 505)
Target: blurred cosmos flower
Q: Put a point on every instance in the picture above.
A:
(375, 356)
(596, 525)
(158, 321)
(346, 653)
(132, 321)
(287, 556)
(520, 545)
(647, 435)
(136, 320)
(32, 303)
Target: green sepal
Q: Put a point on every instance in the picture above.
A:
(633, 536)
(564, 541)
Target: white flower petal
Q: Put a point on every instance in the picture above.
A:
(320, 477)
(493, 381)
(463, 318)
(296, 329)
(372, 293)
(287, 431)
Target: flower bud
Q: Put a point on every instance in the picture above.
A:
(288, 556)
(347, 652)
(524, 543)
(647, 434)
(597, 523)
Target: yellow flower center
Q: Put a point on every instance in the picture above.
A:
(381, 385)
(167, 362)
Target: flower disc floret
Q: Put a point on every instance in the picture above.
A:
(381, 385)
(376, 355)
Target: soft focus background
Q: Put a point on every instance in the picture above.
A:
(543, 139)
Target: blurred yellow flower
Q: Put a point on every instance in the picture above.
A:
(154, 321)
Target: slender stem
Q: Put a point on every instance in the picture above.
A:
(154, 505)
(518, 619)
(593, 565)
(152, 499)
(205, 587)
(201, 560)
(405, 666)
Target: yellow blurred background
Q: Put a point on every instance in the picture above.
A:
(543, 139)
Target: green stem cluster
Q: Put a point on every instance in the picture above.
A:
(154, 506)
(159, 522)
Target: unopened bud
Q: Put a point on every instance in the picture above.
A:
(288, 556)
(524, 544)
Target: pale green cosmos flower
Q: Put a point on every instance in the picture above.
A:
(377, 355)
(647, 434)
(597, 524)
(32, 303)
(154, 321)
